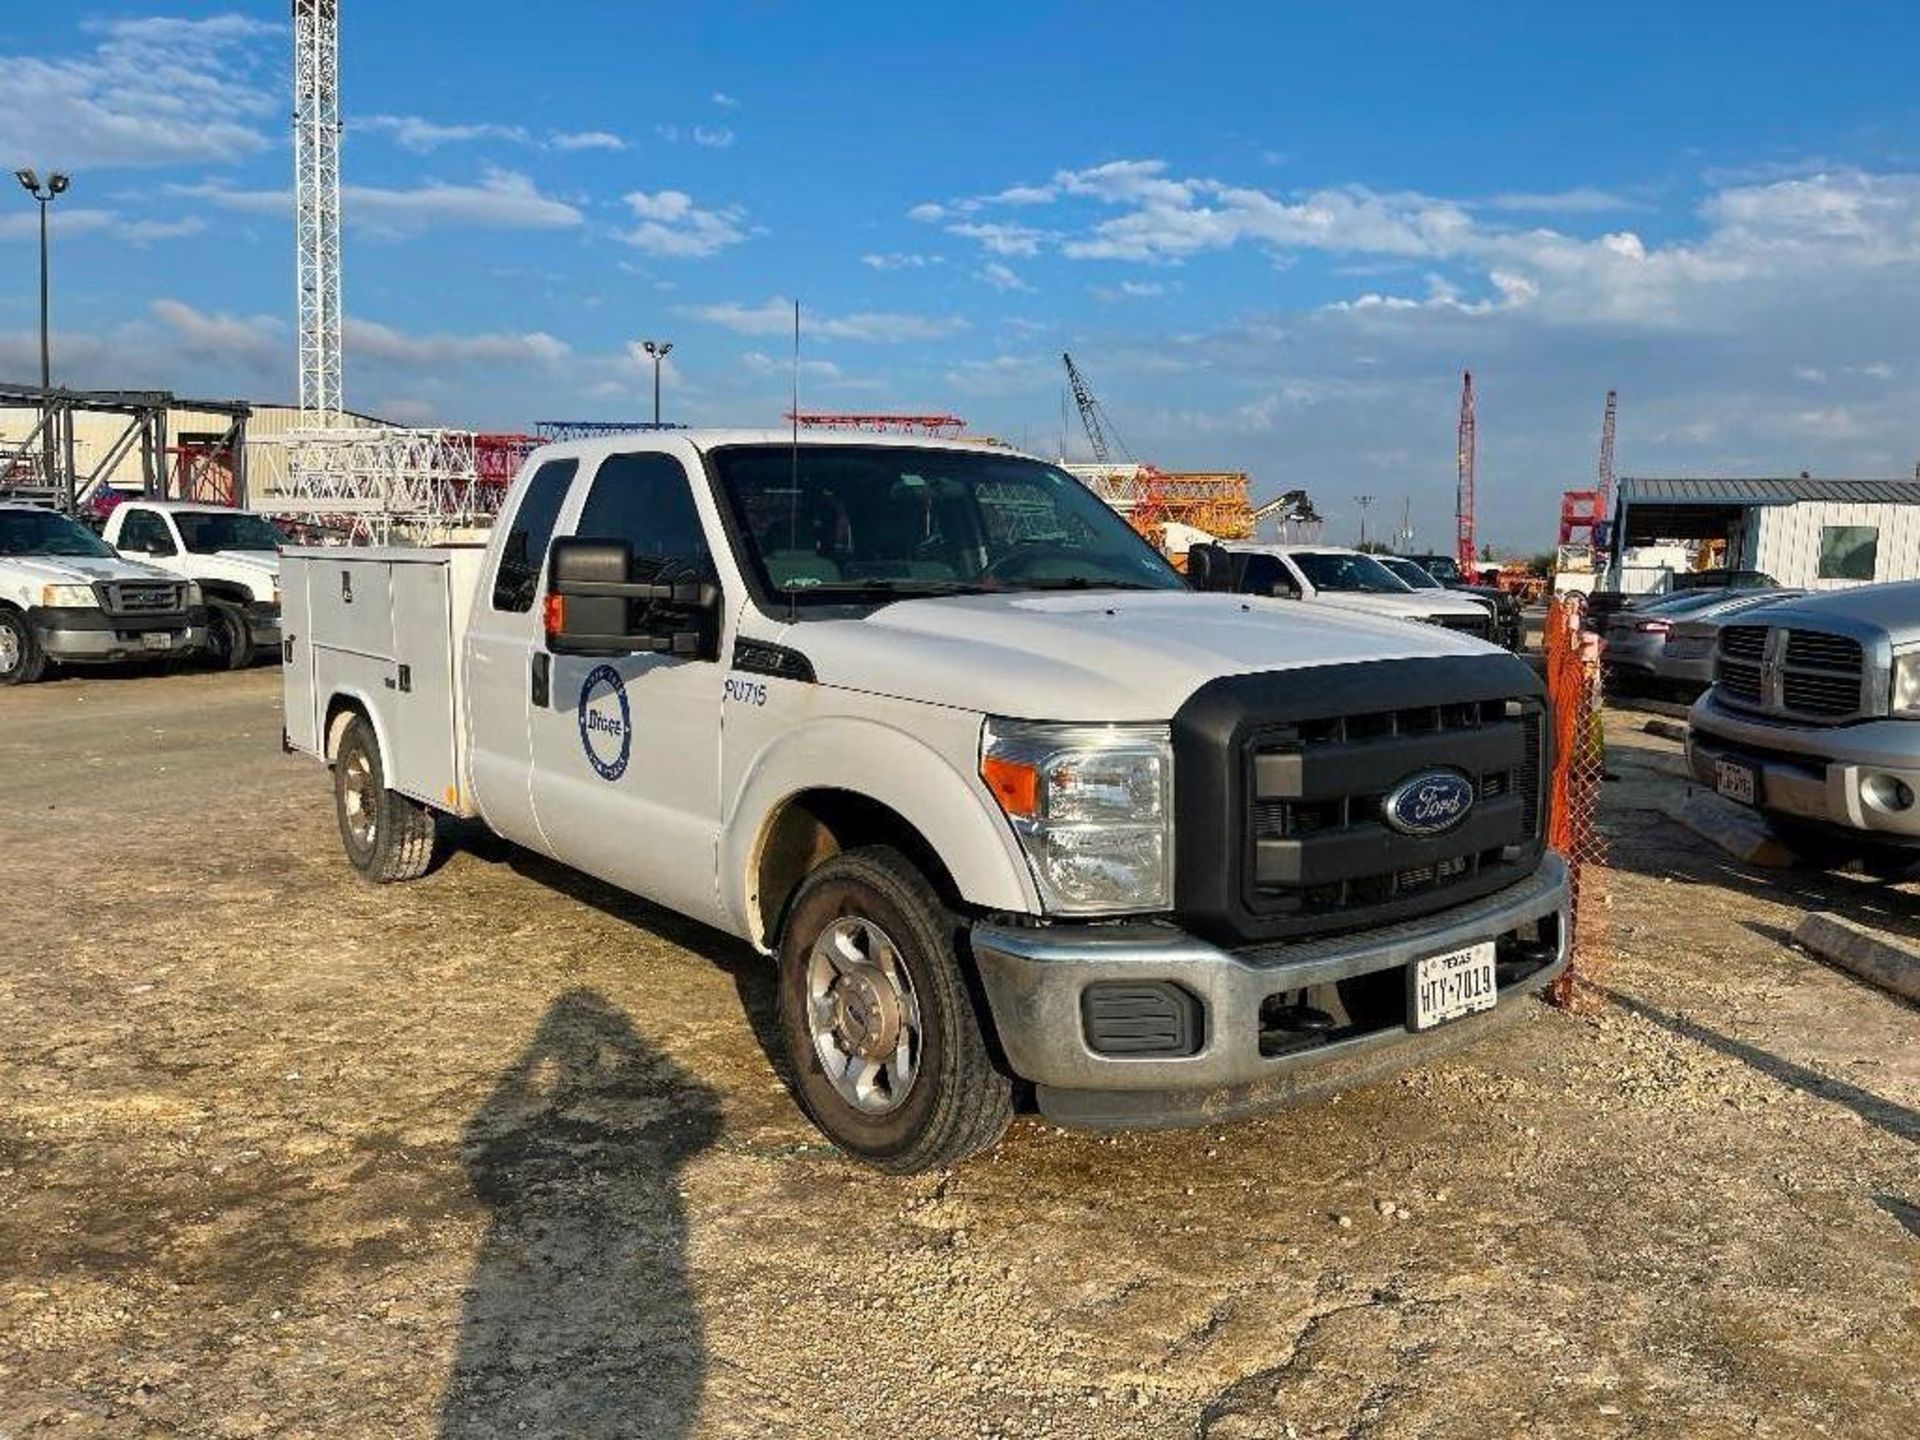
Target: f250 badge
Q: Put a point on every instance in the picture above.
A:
(606, 724)
(1428, 803)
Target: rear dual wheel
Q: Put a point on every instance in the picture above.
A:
(882, 1036)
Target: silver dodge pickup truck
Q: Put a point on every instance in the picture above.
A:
(1814, 720)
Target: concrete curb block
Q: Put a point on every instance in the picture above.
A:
(1667, 729)
(1741, 834)
(1872, 956)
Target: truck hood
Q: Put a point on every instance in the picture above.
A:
(1418, 606)
(253, 568)
(77, 569)
(1096, 655)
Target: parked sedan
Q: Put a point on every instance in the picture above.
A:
(1686, 660)
(1634, 638)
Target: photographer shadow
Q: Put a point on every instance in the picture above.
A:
(578, 1320)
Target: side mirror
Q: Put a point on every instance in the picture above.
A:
(595, 607)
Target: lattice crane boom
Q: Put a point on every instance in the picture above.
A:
(316, 204)
(1467, 461)
(1606, 452)
(1102, 434)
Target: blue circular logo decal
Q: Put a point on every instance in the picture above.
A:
(1428, 803)
(606, 724)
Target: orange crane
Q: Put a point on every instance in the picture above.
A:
(1464, 551)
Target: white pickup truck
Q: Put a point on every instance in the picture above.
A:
(926, 722)
(232, 555)
(1333, 576)
(66, 597)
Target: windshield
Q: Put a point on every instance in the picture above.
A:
(823, 524)
(1443, 568)
(205, 531)
(1406, 570)
(43, 532)
(1339, 570)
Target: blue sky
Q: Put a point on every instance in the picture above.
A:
(1272, 235)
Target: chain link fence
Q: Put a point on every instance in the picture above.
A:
(1573, 792)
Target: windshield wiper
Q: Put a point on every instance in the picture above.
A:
(885, 589)
(1079, 582)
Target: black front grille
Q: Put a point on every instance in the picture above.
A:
(142, 597)
(1283, 829)
(1479, 626)
(1743, 642)
(1740, 680)
(1818, 650)
(1812, 675)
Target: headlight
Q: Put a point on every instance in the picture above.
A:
(1092, 806)
(1906, 685)
(69, 597)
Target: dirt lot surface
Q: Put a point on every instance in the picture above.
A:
(501, 1153)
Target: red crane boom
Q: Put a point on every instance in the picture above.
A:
(1464, 550)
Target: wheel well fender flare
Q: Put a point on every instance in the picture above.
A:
(881, 772)
(342, 706)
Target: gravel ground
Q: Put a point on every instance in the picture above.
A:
(501, 1153)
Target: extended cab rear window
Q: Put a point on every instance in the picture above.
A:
(525, 549)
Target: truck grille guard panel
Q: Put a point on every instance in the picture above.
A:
(1282, 779)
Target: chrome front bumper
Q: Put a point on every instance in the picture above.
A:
(1035, 979)
(1838, 774)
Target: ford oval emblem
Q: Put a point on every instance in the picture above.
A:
(1429, 803)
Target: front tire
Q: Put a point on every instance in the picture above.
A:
(22, 661)
(387, 836)
(229, 637)
(881, 1035)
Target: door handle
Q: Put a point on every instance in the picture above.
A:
(540, 681)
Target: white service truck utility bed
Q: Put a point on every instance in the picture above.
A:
(383, 628)
(1003, 798)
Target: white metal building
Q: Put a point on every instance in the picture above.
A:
(1810, 533)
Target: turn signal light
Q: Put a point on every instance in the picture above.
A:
(555, 614)
(1014, 785)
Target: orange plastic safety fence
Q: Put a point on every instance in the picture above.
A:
(1573, 790)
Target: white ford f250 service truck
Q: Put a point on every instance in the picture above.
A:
(233, 555)
(66, 597)
(928, 723)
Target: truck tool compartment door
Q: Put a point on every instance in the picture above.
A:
(626, 756)
(502, 637)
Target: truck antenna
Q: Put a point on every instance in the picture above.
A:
(793, 493)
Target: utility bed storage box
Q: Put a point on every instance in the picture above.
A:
(385, 627)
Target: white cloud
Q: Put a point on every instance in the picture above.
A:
(258, 341)
(503, 200)
(1002, 277)
(1581, 200)
(717, 137)
(1130, 290)
(928, 213)
(411, 132)
(153, 91)
(672, 225)
(1000, 239)
(900, 260)
(724, 100)
(761, 363)
(25, 225)
(775, 317)
(586, 140)
(368, 339)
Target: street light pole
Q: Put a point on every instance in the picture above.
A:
(657, 351)
(44, 196)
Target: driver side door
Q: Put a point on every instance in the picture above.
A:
(626, 751)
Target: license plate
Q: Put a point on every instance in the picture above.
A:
(157, 640)
(1445, 987)
(1735, 781)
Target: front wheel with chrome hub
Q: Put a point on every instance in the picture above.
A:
(886, 1049)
